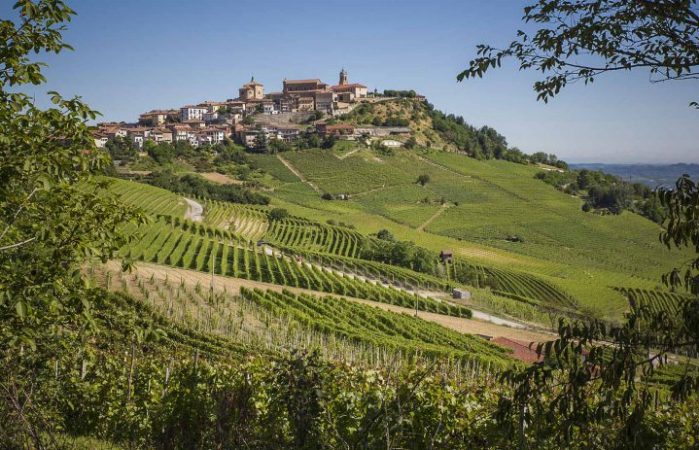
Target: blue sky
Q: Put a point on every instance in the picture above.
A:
(132, 56)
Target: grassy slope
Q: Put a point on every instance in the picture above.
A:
(584, 253)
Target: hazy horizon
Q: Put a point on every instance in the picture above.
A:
(131, 57)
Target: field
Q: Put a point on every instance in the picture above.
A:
(269, 321)
(360, 323)
(472, 207)
(150, 198)
(562, 258)
(201, 248)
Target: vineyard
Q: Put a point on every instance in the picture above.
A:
(655, 300)
(386, 273)
(150, 198)
(165, 243)
(516, 285)
(315, 237)
(360, 323)
(247, 222)
(265, 322)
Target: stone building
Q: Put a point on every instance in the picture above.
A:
(251, 91)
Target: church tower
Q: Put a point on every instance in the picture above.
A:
(343, 77)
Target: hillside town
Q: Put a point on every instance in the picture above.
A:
(302, 106)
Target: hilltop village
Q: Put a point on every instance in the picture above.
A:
(301, 107)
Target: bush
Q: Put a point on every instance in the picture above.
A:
(278, 214)
(327, 196)
(423, 179)
(195, 185)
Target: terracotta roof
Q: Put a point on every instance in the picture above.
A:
(340, 126)
(520, 349)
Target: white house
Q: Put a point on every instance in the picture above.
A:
(211, 136)
(192, 112)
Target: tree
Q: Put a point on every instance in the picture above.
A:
(423, 179)
(410, 143)
(595, 386)
(261, 141)
(278, 214)
(583, 39)
(54, 216)
(277, 146)
(385, 235)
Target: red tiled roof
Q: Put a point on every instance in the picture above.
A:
(520, 349)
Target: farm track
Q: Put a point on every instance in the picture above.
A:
(298, 174)
(434, 216)
(348, 154)
(233, 285)
(195, 211)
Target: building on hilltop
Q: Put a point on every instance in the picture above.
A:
(340, 130)
(347, 92)
(303, 86)
(251, 91)
(191, 112)
(157, 117)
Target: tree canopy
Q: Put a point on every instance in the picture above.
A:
(580, 40)
(598, 381)
(54, 215)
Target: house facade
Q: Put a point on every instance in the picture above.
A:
(192, 113)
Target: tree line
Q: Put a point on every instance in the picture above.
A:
(605, 192)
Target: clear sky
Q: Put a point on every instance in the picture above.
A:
(132, 56)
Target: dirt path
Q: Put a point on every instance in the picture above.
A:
(195, 212)
(219, 178)
(298, 174)
(445, 168)
(233, 285)
(370, 191)
(351, 152)
(434, 216)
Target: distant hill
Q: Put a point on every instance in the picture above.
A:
(649, 174)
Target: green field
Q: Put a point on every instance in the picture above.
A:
(199, 248)
(150, 198)
(361, 323)
(471, 207)
(563, 258)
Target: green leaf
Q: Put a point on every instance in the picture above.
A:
(21, 309)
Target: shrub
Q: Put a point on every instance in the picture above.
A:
(278, 214)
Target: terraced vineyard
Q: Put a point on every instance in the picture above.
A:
(248, 222)
(387, 273)
(360, 323)
(315, 237)
(253, 224)
(164, 244)
(655, 300)
(152, 199)
(516, 285)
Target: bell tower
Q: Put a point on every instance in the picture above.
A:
(343, 77)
